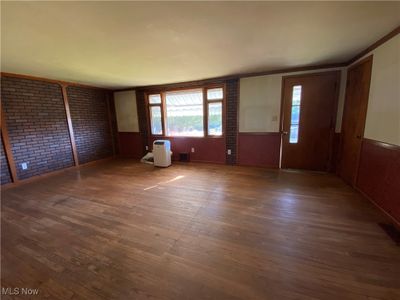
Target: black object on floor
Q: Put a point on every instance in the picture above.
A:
(184, 156)
(391, 231)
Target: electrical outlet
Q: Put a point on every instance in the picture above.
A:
(147, 147)
(24, 166)
(274, 118)
(192, 150)
(229, 152)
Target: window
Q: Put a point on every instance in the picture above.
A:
(295, 115)
(156, 114)
(214, 108)
(195, 112)
(184, 113)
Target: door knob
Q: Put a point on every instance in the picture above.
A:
(284, 132)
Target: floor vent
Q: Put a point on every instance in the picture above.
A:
(391, 231)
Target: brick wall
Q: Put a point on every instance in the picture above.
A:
(90, 122)
(5, 171)
(232, 95)
(37, 127)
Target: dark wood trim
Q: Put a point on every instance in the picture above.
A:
(259, 133)
(110, 123)
(333, 115)
(382, 144)
(237, 123)
(205, 112)
(163, 113)
(69, 122)
(332, 159)
(60, 82)
(148, 106)
(364, 60)
(281, 120)
(162, 106)
(367, 59)
(116, 141)
(375, 45)
(124, 89)
(186, 137)
(7, 146)
(390, 217)
(222, 101)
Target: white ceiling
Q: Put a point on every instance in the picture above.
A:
(125, 44)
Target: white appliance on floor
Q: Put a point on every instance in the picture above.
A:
(162, 153)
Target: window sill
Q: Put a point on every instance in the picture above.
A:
(189, 137)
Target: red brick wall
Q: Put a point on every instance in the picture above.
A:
(90, 122)
(37, 127)
(5, 171)
(232, 95)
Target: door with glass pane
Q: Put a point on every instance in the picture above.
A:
(308, 120)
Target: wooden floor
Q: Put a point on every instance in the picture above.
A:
(124, 230)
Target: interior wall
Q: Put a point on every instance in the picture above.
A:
(383, 113)
(91, 123)
(37, 126)
(130, 141)
(259, 118)
(379, 165)
(36, 120)
(260, 101)
(126, 111)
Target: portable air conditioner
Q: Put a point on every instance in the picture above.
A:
(162, 153)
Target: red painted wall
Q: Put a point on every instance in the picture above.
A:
(206, 149)
(379, 175)
(259, 149)
(130, 144)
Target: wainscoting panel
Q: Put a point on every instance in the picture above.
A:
(259, 149)
(379, 175)
(130, 145)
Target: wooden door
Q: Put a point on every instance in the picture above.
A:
(354, 114)
(308, 120)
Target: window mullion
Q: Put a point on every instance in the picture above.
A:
(205, 112)
(163, 114)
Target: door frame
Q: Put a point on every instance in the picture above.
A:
(345, 108)
(338, 74)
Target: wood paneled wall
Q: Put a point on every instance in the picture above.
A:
(379, 176)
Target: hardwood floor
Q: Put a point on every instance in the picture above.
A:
(124, 230)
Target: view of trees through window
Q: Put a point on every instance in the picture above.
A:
(184, 112)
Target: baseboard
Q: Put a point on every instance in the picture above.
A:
(389, 217)
(53, 173)
(259, 166)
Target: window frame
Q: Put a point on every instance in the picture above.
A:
(149, 106)
(162, 106)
